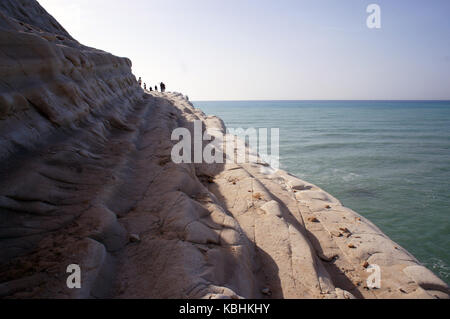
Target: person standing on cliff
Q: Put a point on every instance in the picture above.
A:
(145, 86)
(163, 87)
(156, 88)
(140, 81)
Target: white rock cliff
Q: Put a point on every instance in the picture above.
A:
(86, 178)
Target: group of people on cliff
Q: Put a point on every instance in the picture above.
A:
(150, 88)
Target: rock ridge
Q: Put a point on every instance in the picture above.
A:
(87, 179)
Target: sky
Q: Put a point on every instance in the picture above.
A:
(273, 49)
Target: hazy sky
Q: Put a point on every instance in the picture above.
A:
(277, 49)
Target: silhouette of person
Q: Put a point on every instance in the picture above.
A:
(145, 86)
(140, 81)
(156, 88)
(151, 89)
(163, 87)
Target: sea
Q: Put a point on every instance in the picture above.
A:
(387, 160)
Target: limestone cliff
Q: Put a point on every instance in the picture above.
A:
(87, 179)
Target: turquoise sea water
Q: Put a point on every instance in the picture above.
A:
(387, 160)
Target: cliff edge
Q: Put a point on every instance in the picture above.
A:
(87, 179)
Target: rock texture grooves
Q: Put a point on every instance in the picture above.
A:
(86, 178)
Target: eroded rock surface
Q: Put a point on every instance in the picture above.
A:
(87, 179)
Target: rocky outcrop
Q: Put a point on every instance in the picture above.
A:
(87, 179)
(58, 100)
(50, 83)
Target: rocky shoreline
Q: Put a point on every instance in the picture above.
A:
(87, 179)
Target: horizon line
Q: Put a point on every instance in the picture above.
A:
(326, 100)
